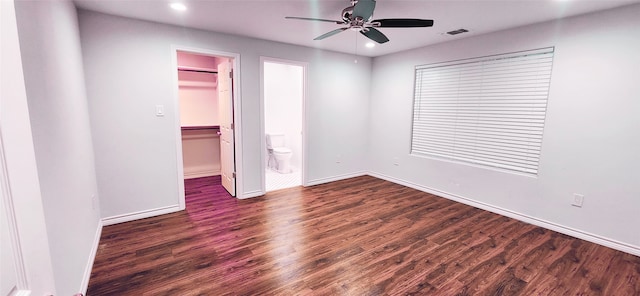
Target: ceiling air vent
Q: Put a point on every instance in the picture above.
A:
(456, 32)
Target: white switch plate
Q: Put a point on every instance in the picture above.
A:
(159, 110)
(578, 199)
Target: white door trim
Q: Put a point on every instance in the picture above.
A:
(22, 286)
(263, 140)
(237, 116)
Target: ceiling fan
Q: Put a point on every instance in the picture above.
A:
(358, 17)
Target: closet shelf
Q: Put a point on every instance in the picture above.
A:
(200, 127)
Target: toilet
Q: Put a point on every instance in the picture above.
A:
(279, 155)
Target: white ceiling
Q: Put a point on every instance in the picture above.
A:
(264, 19)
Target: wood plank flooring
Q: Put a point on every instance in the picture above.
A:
(361, 236)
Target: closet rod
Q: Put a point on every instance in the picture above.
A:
(199, 71)
(200, 127)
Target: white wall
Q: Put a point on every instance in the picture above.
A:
(198, 91)
(128, 71)
(283, 93)
(198, 61)
(19, 169)
(54, 79)
(591, 139)
(198, 99)
(200, 153)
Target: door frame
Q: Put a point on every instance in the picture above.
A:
(6, 197)
(19, 183)
(263, 137)
(237, 116)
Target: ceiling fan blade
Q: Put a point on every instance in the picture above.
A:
(375, 35)
(364, 9)
(403, 23)
(313, 19)
(329, 34)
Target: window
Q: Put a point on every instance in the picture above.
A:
(487, 111)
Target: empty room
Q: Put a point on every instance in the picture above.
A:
(320, 147)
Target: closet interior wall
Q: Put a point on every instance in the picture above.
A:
(198, 93)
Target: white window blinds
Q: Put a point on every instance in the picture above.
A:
(488, 111)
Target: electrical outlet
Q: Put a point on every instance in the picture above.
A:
(578, 199)
(338, 158)
(396, 162)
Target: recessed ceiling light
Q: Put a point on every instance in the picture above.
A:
(370, 45)
(178, 6)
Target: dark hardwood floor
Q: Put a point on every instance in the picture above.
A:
(361, 236)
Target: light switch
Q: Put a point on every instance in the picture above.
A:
(159, 110)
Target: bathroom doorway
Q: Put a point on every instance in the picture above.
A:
(283, 91)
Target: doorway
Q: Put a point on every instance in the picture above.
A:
(283, 91)
(206, 100)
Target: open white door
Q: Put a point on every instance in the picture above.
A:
(225, 103)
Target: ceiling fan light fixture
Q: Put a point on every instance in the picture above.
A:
(370, 45)
(178, 6)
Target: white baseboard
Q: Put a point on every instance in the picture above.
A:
(139, 215)
(92, 257)
(334, 178)
(251, 194)
(200, 174)
(620, 246)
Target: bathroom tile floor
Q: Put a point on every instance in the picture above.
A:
(275, 180)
